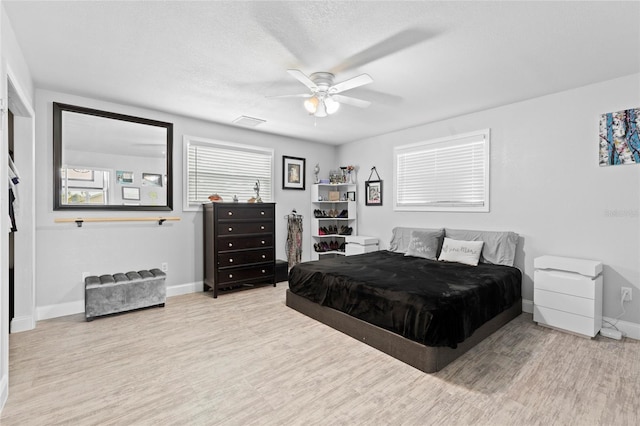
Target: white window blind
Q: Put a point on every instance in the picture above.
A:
(226, 169)
(449, 174)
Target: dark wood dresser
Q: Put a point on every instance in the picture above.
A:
(239, 245)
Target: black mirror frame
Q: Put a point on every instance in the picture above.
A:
(58, 109)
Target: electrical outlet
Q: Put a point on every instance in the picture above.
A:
(164, 267)
(625, 292)
(85, 275)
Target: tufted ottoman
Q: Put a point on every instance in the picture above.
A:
(109, 294)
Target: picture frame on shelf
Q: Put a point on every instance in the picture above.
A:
(373, 192)
(130, 193)
(351, 195)
(293, 173)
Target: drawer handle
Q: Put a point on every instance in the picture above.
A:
(263, 271)
(262, 227)
(230, 213)
(264, 256)
(230, 260)
(262, 242)
(230, 229)
(230, 275)
(230, 244)
(262, 213)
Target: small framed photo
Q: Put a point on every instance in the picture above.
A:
(373, 192)
(351, 195)
(293, 172)
(130, 193)
(151, 179)
(124, 178)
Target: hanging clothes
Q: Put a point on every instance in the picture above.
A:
(294, 238)
(14, 179)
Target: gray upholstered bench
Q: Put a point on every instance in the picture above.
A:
(109, 294)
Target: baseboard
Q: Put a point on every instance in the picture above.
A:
(25, 323)
(629, 329)
(177, 290)
(4, 390)
(59, 310)
(527, 306)
(72, 308)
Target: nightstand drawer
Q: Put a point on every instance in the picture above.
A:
(565, 282)
(235, 228)
(564, 302)
(233, 275)
(566, 321)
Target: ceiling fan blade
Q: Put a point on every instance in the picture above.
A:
(302, 78)
(301, 95)
(352, 83)
(285, 27)
(393, 44)
(348, 100)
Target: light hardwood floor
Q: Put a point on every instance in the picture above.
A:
(245, 358)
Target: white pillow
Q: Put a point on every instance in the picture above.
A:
(467, 252)
(425, 244)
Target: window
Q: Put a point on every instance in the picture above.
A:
(447, 174)
(227, 169)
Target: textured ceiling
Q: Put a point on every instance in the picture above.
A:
(220, 60)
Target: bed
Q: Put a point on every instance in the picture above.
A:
(407, 303)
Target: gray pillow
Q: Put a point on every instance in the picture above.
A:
(402, 237)
(424, 243)
(499, 247)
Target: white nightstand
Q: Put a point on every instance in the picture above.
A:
(358, 244)
(567, 294)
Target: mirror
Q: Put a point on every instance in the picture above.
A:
(108, 161)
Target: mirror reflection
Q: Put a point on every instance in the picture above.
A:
(105, 160)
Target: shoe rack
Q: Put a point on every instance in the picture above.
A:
(334, 218)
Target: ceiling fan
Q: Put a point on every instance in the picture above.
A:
(325, 98)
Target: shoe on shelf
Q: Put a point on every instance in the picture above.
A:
(343, 214)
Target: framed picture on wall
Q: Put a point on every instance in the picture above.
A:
(130, 193)
(152, 179)
(123, 177)
(373, 192)
(293, 173)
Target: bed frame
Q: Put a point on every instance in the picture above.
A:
(425, 358)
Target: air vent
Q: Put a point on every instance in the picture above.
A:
(248, 121)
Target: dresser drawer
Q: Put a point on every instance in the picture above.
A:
(245, 257)
(245, 212)
(564, 302)
(565, 282)
(566, 321)
(235, 228)
(241, 274)
(241, 243)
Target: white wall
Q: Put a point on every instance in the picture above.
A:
(65, 251)
(14, 67)
(546, 184)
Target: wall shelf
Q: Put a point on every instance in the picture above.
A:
(79, 220)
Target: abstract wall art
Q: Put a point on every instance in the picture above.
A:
(619, 139)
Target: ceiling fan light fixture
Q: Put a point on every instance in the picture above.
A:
(311, 105)
(331, 105)
(322, 109)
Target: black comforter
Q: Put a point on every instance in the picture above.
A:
(430, 302)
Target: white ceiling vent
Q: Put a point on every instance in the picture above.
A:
(245, 121)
